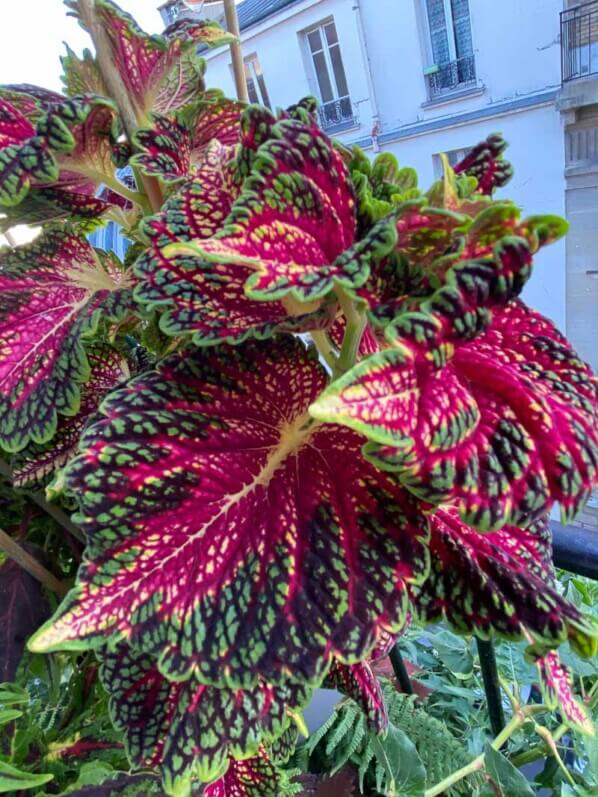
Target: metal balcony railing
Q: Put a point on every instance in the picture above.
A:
(579, 41)
(335, 114)
(454, 75)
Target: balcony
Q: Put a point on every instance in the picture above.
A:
(337, 115)
(444, 79)
(579, 41)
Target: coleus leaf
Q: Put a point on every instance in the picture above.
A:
(557, 687)
(23, 608)
(195, 297)
(253, 777)
(500, 582)
(294, 219)
(503, 425)
(165, 150)
(485, 162)
(213, 116)
(358, 682)
(188, 730)
(69, 149)
(82, 75)
(107, 369)
(147, 63)
(52, 292)
(263, 566)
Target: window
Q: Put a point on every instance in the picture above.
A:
(329, 72)
(256, 85)
(451, 45)
(454, 157)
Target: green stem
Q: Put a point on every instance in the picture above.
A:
(325, 347)
(545, 734)
(515, 723)
(355, 320)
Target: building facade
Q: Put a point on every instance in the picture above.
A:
(422, 77)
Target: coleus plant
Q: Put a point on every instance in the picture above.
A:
(344, 415)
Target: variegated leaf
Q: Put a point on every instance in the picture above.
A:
(358, 682)
(500, 582)
(503, 425)
(107, 369)
(557, 686)
(188, 730)
(254, 777)
(485, 162)
(165, 150)
(228, 534)
(52, 292)
(196, 297)
(149, 65)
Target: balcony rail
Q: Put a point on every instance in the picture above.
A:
(336, 114)
(454, 75)
(579, 41)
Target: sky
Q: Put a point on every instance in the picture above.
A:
(32, 33)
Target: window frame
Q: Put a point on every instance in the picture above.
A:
(320, 26)
(249, 64)
(450, 31)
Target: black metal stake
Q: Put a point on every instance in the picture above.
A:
(400, 671)
(491, 685)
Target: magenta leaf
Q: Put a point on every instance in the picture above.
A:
(358, 682)
(253, 777)
(23, 608)
(165, 150)
(189, 730)
(152, 66)
(35, 462)
(52, 292)
(557, 687)
(485, 162)
(246, 541)
(68, 151)
(504, 425)
(500, 582)
(195, 297)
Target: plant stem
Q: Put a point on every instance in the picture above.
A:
(514, 724)
(325, 347)
(355, 321)
(400, 671)
(545, 734)
(130, 114)
(491, 684)
(232, 23)
(31, 565)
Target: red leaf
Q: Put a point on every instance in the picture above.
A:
(358, 682)
(503, 425)
(245, 541)
(557, 686)
(187, 729)
(485, 162)
(35, 462)
(500, 582)
(52, 292)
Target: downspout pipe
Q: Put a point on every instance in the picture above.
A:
(368, 73)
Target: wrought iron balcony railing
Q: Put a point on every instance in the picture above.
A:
(452, 76)
(579, 41)
(335, 114)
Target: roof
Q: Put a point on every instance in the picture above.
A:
(253, 11)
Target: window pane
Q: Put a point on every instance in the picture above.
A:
(438, 32)
(339, 71)
(315, 40)
(263, 90)
(330, 30)
(252, 91)
(323, 77)
(462, 27)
